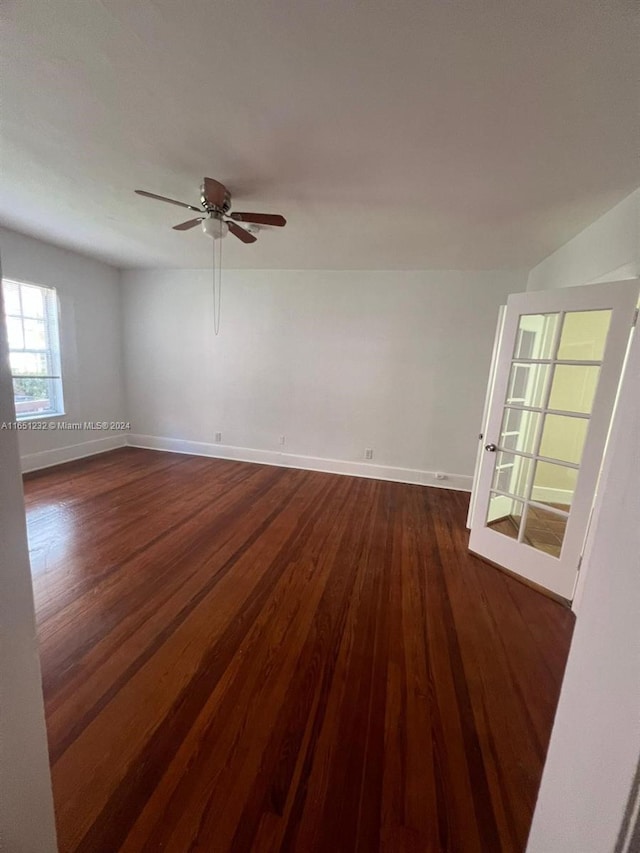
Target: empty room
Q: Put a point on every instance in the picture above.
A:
(319, 426)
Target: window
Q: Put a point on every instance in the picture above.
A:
(34, 349)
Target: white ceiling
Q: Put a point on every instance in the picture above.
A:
(391, 133)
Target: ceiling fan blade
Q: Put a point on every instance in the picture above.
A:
(214, 192)
(241, 233)
(169, 200)
(260, 218)
(190, 223)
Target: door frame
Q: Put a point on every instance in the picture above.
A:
(497, 341)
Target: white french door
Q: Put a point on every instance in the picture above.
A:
(557, 372)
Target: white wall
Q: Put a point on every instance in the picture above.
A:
(26, 805)
(595, 745)
(336, 361)
(607, 250)
(91, 345)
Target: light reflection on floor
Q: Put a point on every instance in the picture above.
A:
(52, 529)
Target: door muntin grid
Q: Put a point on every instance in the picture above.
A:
(553, 378)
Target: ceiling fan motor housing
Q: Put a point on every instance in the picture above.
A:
(215, 207)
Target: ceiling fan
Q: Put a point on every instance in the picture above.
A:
(216, 218)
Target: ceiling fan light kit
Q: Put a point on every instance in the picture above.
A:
(215, 228)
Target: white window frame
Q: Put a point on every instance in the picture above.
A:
(51, 350)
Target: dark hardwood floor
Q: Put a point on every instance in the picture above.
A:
(247, 658)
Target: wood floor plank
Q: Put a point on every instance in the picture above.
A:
(247, 658)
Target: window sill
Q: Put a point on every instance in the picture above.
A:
(50, 416)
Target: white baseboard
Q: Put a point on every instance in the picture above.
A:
(459, 482)
(548, 495)
(47, 458)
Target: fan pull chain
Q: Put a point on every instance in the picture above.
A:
(217, 296)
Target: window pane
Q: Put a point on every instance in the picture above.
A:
(563, 438)
(32, 301)
(584, 335)
(536, 335)
(14, 333)
(11, 297)
(34, 396)
(527, 383)
(519, 430)
(545, 530)
(29, 362)
(511, 474)
(573, 388)
(554, 484)
(35, 336)
(504, 515)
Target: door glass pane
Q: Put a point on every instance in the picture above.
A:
(504, 515)
(536, 336)
(573, 387)
(519, 430)
(545, 530)
(511, 474)
(563, 438)
(527, 383)
(584, 335)
(554, 484)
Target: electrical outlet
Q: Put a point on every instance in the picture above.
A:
(218, 437)
(282, 440)
(368, 453)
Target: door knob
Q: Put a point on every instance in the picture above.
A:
(490, 447)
